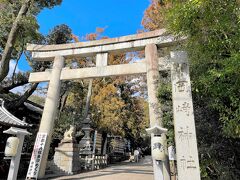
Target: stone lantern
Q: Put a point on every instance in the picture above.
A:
(14, 149)
(86, 141)
(158, 145)
(159, 151)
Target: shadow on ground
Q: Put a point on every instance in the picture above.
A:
(131, 170)
(114, 171)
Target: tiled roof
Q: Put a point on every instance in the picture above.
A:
(7, 118)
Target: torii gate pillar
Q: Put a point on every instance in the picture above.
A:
(161, 169)
(47, 121)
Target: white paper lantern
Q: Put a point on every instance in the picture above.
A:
(158, 149)
(11, 146)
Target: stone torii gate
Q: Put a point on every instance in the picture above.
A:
(185, 135)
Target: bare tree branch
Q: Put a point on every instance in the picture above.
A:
(12, 86)
(18, 102)
(19, 56)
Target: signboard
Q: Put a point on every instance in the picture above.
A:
(36, 156)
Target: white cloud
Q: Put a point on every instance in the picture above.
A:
(19, 89)
(12, 65)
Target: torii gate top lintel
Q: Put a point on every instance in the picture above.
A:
(100, 49)
(91, 48)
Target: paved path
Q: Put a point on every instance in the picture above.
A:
(125, 171)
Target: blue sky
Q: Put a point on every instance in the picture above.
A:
(120, 17)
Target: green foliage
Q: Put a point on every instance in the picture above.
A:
(70, 110)
(37, 99)
(220, 87)
(212, 28)
(47, 3)
(165, 98)
(28, 27)
(27, 31)
(60, 34)
(62, 124)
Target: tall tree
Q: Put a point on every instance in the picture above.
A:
(60, 34)
(25, 6)
(117, 109)
(6, 56)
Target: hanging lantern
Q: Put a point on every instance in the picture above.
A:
(158, 149)
(11, 146)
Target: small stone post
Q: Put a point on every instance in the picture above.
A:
(49, 112)
(161, 170)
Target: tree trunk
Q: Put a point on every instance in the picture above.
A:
(89, 94)
(62, 102)
(6, 56)
(104, 143)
